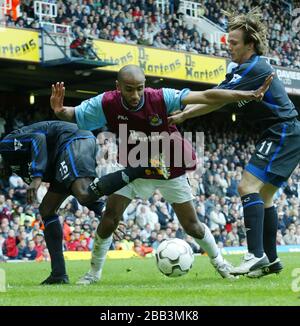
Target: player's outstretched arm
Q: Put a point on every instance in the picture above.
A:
(191, 111)
(221, 97)
(214, 99)
(66, 113)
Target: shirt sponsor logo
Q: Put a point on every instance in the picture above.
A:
(122, 117)
(15, 169)
(243, 103)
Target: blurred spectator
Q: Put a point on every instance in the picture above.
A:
(82, 47)
(2, 124)
(72, 243)
(2, 240)
(45, 256)
(217, 218)
(290, 237)
(21, 249)
(39, 244)
(233, 238)
(82, 246)
(127, 243)
(297, 235)
(158, 240)
(141, 249)
(30, 252)
(10, 248)
(291, 189)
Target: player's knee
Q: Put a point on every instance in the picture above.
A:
(249, 185)
(268, 201)
(244, 188)
(110, 225)
(84, 198)
(267, 198)
(240, 189)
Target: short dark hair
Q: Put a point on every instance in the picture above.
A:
(130, 69)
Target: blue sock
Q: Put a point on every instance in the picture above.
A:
(254, 222)
(53, 237)
(270, 233)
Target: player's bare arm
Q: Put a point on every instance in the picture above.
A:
(222, 97)
(216, 98)
(191, 111)
(66, 113)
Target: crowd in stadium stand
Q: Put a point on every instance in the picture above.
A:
(150, 221)
(227, 151)
(141, 22)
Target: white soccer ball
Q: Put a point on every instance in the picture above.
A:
(174, 257)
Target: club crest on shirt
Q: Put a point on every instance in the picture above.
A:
(155, 120)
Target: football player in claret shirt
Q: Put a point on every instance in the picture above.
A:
(146, 110)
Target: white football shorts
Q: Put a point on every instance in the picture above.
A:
(175, 190)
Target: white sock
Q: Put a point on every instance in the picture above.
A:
(99, 252)
(208, 243)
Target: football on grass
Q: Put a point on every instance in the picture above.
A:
(174, 257)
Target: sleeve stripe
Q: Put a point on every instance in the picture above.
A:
(250, 66)
(247, 70)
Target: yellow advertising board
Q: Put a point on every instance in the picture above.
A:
(120, 55)
(204, 69)
(112, 254)
(163, 63)
(19, 44)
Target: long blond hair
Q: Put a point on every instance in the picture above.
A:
(255, 31)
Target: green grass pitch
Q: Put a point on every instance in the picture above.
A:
(138, 282)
